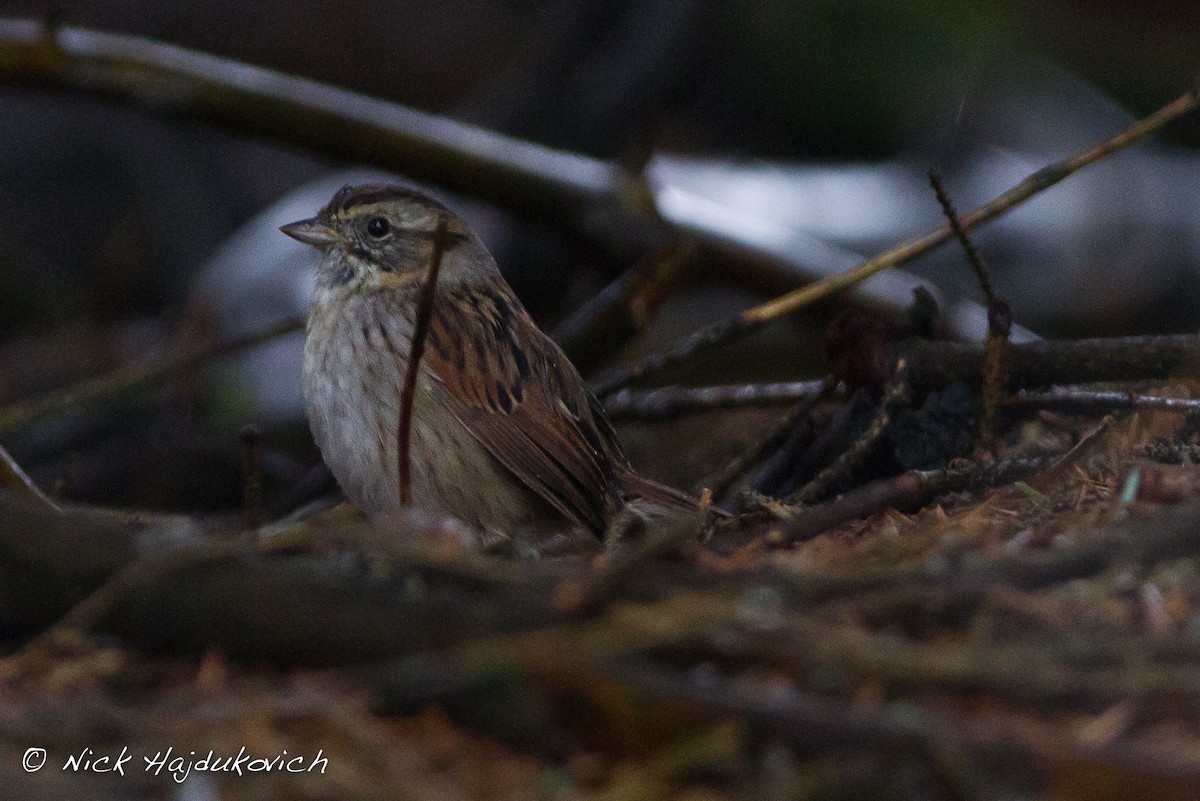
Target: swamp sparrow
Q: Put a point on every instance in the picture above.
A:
(504, 433)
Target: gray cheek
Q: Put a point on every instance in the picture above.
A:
(336, 270)
(402, 252)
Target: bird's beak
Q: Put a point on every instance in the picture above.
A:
(312, 232)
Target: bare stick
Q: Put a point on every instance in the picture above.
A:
(420, 330)
(897, 392)
(128, 380)
(753, 318)
(937, 364)
(906, 492)
(148, 570)
(999, 324)
(1172, 452)
(667, 402)
(720, 482)
(960, 233)
(1103, 399)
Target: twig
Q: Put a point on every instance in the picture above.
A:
(85, 616)
(128, 380)
(933, 365)
(897, 392)
(906, 492)
(1103, 399)
(1088, 444)
(625, 307)
(668, 402)
(411, 552)
(604, 666)
(167, 582)
(420, 329)
(720, 482)
(999, 324)
(752, 319)
(813, 723)
(960, 233)
(995, 373)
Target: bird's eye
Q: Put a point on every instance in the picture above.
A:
(378, 227)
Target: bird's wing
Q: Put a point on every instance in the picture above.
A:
(520, 397)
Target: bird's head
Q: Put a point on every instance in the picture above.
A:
(379, 234)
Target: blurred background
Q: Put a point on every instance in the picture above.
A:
(127, 239)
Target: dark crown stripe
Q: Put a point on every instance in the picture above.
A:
(349, 197)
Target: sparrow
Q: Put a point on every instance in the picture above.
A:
(504, 433)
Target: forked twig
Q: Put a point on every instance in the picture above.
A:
(420, 330)
(934, 365)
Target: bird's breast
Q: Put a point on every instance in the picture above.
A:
(355, 358)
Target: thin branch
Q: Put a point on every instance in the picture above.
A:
(1137, 542)
(621, 310)
(999, 324)
(905, 492)
(720, 482)
(148, 570)
(668, 402)
(1103, 399)
(934, 365)
(599, 662)
(409, 391)
(1035, 671)
(1172, 453)
(896, 393)
(960, 233)
(752, 319)
(995, 372)
(129, 380)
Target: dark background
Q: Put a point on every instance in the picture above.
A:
(110, 214)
